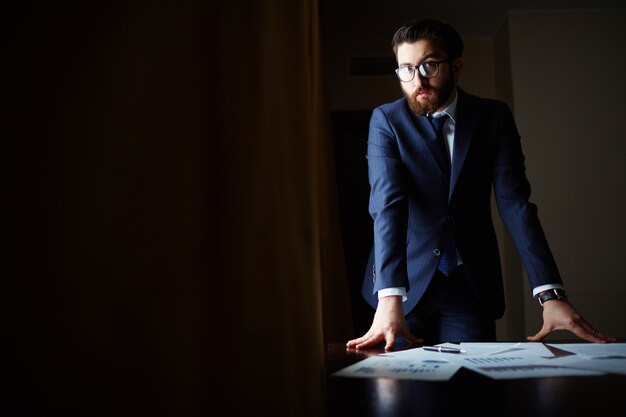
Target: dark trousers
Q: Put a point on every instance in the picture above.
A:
(450, 311)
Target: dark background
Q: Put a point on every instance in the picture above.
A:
(106, 291)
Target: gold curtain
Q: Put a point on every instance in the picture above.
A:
(282, 242)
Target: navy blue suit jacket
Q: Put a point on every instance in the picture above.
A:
(414, 204)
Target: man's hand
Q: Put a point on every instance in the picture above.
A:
(561, 315)
(388, 324)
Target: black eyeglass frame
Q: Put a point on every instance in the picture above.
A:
(420, 69)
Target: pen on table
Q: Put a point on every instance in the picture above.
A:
(443, 349)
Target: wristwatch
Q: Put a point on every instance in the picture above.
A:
(551, 294)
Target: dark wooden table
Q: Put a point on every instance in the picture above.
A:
(468, 393)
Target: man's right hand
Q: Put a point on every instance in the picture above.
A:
(388, 324)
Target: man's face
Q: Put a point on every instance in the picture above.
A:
(427, 95)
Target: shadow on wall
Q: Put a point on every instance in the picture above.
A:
(350, 129)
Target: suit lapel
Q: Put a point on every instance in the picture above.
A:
(464, 129)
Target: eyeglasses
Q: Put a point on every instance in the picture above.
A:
(428, 69)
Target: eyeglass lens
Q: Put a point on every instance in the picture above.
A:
(426, 69)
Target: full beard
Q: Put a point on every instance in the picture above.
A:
(433, 102)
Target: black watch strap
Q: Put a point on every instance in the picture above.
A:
(551, 294)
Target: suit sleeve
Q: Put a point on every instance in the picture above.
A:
(512, 193)
(388, 203)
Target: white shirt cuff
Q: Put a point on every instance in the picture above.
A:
(540, 288)
(386, 292)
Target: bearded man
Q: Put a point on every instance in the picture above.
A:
(434, 158)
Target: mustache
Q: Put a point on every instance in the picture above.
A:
(422, 90)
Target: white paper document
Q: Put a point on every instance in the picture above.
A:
(424, 367)
(594, 350)
(606, 357)
(493, 360)
(514, 361)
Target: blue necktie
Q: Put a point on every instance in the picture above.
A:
(448, 260)
(438, 123)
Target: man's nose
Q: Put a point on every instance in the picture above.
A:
(418, 80)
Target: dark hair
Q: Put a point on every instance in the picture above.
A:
(430, 29)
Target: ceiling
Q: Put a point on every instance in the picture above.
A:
(480, 18)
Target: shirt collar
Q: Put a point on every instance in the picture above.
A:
(450, 110)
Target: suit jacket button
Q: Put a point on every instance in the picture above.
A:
(437, 252)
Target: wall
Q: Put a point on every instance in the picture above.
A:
(568, 89)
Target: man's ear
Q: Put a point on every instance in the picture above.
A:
(457, 66)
